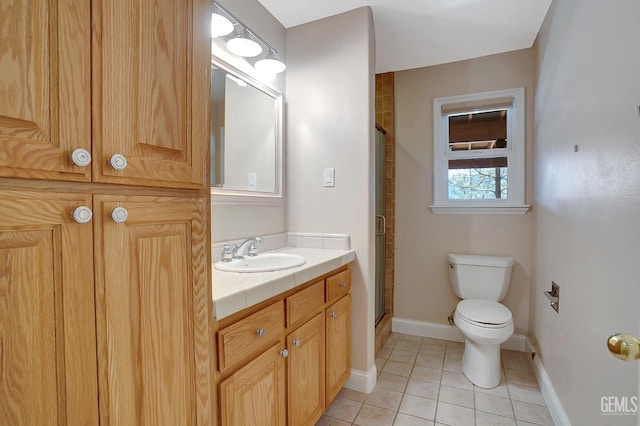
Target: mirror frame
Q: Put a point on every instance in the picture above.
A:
(234, 195)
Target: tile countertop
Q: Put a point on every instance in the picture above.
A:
(235, 291)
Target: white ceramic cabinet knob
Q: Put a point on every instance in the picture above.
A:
(119, 214)
(82, 214)
(118, 162)
(80, 157)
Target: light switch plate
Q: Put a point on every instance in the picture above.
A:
(329, 180)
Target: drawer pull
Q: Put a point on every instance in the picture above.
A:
(284, 353)
(343, 284)
(296, 343)
(333, 315)
(261, 332)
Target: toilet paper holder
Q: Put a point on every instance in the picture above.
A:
(554, 296)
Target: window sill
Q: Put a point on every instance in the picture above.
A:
(515, 210)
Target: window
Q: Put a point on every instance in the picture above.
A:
(478, 147)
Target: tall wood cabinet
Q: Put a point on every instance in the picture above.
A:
(104, 316)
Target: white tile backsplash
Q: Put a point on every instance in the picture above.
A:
(290, 239)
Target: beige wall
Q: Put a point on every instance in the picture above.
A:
(587, 202)
(330, 123)
(423, 239)
(231, 221)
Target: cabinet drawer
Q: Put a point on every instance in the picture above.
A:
(338, 285)
(302, 304)
(250, 334)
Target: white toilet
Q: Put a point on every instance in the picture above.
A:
(482, 281)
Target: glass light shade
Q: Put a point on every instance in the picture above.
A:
(270, 65)
(244, 46)
(220, 26)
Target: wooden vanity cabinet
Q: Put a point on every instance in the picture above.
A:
(293, 381)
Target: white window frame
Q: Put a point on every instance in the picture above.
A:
(515, 153)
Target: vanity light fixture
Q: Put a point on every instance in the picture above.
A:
(270, 64)
(247, 44)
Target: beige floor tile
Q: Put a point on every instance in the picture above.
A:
(456, 396)
(532, 413)
(454, 365)
(410, 338)
(494, 405)
(454, 352)
(383, 353)
(398, 368)
(380, 363)
(518, 377)
(487, 419)
(516, 360)
(403, 356)
(429, 348)
(343, 409)
(526, 394)
(407, 345)
(392, 381)
(500, 390)
(330, 421)
(427, 374)
(430, 360)
(384, 398)
(352, 395)
(422, 388)
(458, 380)
(418, 407)
(392, 340)
(432, 341)
(375, 416)
(454, 415)
(455, 345)
(407, 420)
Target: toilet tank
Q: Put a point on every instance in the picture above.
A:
(480, 277)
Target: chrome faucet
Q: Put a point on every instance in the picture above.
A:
(238, 253)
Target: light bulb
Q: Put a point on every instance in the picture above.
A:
(270, 64)
(220, 26)
(244, 46)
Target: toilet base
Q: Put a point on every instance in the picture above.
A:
(481, 364)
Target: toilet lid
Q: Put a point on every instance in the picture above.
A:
(483, 311)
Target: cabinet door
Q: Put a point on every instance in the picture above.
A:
(45, 88)
(153, 306)
(255, 394)
(151, 65)
(338, 319)
(47, 323)
(305, 372)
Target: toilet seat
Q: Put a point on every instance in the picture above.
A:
(484, 313)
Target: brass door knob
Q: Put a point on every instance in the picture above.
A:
(624, 346)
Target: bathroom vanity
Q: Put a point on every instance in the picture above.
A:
(283, 360)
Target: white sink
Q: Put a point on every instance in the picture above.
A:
(265, 262)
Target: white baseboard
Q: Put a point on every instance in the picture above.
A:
(549, 394)
(517, 342)
(362, 381)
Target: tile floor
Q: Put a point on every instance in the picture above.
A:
(420, 382)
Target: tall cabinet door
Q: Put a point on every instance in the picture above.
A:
(151, 62)
(45, 88)
(338, 317)
(153, 310)
(47, 323)
(305, 372)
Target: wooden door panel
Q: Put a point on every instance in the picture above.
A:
(305, 368)
(150, 101)
(47, 334)
(338, 346)
(255, 394)
(45, 88)
(153, 312)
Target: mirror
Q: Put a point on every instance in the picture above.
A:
(245, 135)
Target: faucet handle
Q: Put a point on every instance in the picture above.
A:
(253, 248)
(227, 253)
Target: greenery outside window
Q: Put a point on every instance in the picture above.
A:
(479, 147)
